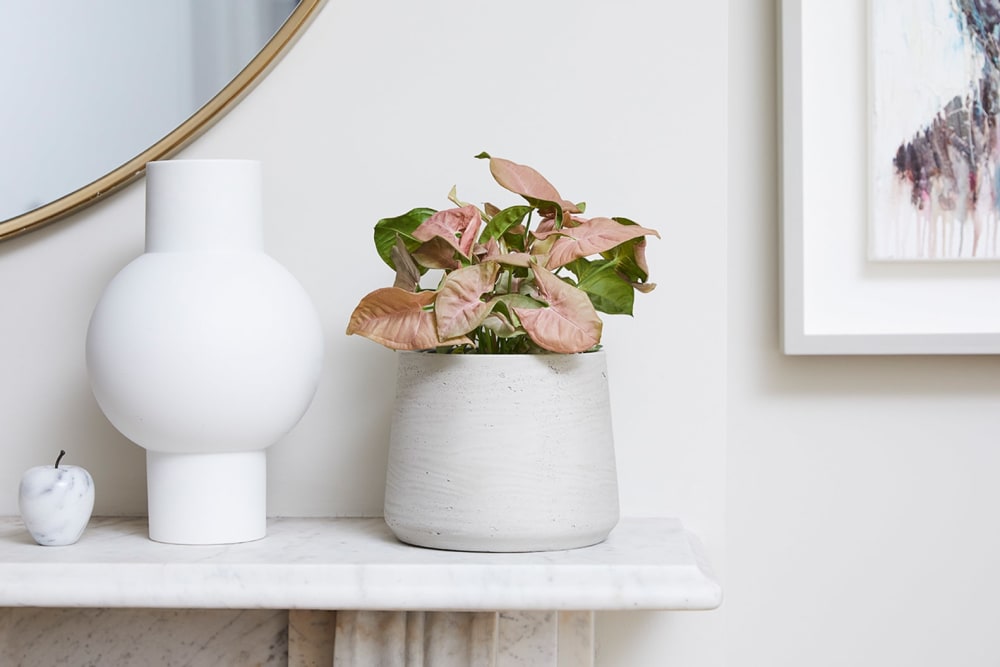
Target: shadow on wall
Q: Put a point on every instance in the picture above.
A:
(874, 375)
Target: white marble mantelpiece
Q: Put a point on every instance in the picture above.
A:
(353, 564)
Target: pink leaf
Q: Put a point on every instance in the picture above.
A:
(640, 257)
(591, 237)
(407, 272)
(569, 323)
(459, 307)
(500, 325)
(522, 259)
(457, 226)
(645, 288)
(398, 319)
(483, 251)
(527, 182)
(436, 254)
(545, 229)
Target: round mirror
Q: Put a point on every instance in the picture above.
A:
(95, 90)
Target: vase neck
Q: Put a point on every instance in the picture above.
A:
(203, 205)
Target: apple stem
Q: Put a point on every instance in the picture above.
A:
(62, 453)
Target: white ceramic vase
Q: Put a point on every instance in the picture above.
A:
(204, 351)
(501, 452)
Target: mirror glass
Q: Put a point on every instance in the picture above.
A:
(90, 86)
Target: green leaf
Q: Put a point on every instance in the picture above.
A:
(608, 290)
(514, 239)
(502, 326)
(548, 209)
(388, 229)
(630, 259)
(508, 302)
(504, 220)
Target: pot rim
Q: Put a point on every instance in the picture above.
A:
(521, 355)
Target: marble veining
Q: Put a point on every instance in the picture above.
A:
(310, 637)
(272, 602)
(33, 637)
(56, 503)
(464, 639)
(353, 564)
(577, 647)
(528, 638)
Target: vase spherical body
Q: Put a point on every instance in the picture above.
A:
(501, 453)
(204, 351)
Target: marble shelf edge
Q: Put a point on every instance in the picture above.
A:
(354, 564)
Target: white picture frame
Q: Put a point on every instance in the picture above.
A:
(834, 300)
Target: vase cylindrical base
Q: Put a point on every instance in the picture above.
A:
(207, 498)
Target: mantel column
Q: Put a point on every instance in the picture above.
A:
(442, 639)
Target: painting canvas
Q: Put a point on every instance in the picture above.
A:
(934, 144)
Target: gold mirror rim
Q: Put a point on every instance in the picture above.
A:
(178, 138)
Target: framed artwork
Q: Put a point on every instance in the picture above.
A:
(935, 88)
(890, 164)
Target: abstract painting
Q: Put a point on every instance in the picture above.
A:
(934, 143)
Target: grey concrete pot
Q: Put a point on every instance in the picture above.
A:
(501, 452)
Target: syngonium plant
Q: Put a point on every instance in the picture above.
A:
(522, 279)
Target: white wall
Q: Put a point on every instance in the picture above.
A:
(859, 524)
(861, 492)
(380, 107)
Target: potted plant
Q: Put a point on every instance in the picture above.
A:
(501, 431)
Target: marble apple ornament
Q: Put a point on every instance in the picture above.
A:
(56, 502)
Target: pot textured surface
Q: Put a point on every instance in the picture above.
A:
(502, 452)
